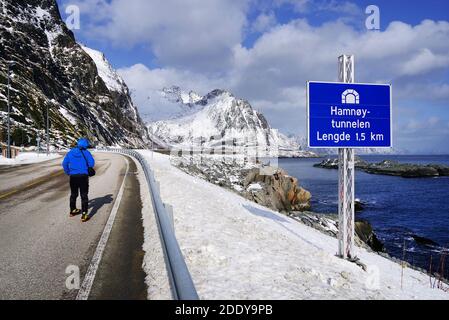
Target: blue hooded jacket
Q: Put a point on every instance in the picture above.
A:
(74, 163)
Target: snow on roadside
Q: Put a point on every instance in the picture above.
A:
(28, 158)
(236, 249)
(158, 286)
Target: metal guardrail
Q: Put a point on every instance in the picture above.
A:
(180, 280)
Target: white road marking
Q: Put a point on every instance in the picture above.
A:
(86, 286)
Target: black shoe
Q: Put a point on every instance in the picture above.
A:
(75, 212)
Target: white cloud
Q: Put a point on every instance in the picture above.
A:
(193, 34)
(198, 45)
(272, 74)
(426, 90)
(289, 55)
(264, 22)
(425, 61)
(431, 126)
(146, 84)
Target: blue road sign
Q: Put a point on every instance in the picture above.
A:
(349, 115)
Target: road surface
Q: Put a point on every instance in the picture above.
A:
(38, 240)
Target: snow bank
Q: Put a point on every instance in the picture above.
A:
(158, 286)
(236, 249)
(28, 158)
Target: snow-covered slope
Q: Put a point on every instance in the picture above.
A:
(110, 77)
(237, 249)
(115, 84)
(216, 119)
(84, 95)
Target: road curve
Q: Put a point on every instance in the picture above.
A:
(38, 240)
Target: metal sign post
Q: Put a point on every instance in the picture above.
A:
(346, 173)
(348, 115)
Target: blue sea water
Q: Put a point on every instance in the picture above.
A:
(396, 207)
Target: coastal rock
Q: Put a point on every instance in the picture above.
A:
(365, 236)
(358, 205)
(274, 188)
(442, 170)
(365, 232)
(223, 172)
(424, 241)
(277, 190)
(332, 163)
(269, 186)
(392, 168)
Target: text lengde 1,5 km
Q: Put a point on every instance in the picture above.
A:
(338, 137)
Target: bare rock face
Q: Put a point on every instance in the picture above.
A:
(365, 232)
(365, 236)
(274, 188)
(53, 71)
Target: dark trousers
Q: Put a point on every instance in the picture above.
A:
(79, 184)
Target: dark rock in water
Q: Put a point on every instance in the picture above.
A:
(359, 205)
(392, 168)
(327, 164)
(330, 163)
(442, 170)
(395, 168)
(424, 241)
(365, 232)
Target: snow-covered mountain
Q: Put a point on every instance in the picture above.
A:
(216, 119)
(176, 95)
(84, 95)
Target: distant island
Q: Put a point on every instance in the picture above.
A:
(392, 168)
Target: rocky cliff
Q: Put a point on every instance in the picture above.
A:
(53, 71)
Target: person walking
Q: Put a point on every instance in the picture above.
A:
(78, 164)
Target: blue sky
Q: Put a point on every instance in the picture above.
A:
(265, 51)
(391, 10)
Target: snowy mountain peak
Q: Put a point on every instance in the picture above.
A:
(191, 97)
(218, 118)
(176, 95)
(218, 93)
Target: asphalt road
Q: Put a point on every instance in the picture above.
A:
(19, 177)
(38, 240)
